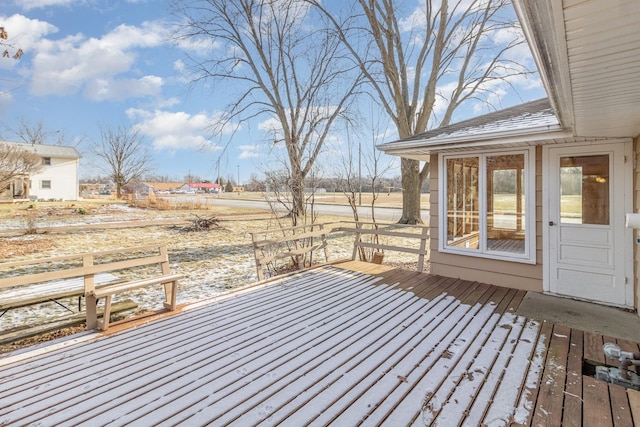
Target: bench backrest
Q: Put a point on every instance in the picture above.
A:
(83, 265)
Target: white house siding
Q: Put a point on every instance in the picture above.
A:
(502, 273)
(63, 175)
(62, 172)
(636, 208)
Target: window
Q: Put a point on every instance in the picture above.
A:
(584, 186)
(45, 183)
(46, 161)
(490, 204)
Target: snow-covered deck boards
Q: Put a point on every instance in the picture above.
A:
(325, 346)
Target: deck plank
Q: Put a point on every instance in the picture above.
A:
(634, 404)
(597, 407)
(462, 367)
(620, 408)
(572, 415)
(551, 396)
(327, 345)
(528, 399)
(417, 357)
(593, 348)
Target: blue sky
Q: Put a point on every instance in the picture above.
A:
(92, 63)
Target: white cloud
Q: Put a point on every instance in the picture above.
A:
(271, 126)
(179, 66)
(26, 33)
(202, 46)
(102, 89)
(37, 4)
(6, 100)
(184, 75)
(249, 151)
(96, 66)
(176, 130)
(169, 102)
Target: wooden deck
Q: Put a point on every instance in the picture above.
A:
(354, 344)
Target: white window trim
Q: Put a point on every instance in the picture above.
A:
(529, 257)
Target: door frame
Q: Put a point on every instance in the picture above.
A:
(626, 245)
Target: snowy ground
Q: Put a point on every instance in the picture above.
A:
(212, 261)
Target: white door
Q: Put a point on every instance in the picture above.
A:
(589, 249)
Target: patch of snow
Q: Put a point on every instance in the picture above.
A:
(525, 406)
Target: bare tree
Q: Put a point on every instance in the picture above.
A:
(350, 180)
(16, 163)
(126, 157)
(288, 65)
(35, 133)
(446, 51)
(4, 43)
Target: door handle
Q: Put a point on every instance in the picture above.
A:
(551, 223)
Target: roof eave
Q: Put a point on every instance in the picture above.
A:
(528, 135)
(543, 27)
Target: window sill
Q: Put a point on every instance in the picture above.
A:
(502, 256)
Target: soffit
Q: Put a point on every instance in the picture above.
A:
(588, 53)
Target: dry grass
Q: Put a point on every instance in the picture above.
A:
(20, 248)
(212, 261)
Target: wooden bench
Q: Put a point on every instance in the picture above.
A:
(94, 269)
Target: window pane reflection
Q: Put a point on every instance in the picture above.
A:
(506, 203)
(462, 202)
(584, 190)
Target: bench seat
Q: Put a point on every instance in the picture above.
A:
(22, 296)
(28, 282)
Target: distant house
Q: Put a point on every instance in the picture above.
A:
(148, 187)
(535, 196)
(56, 180)
(205, 187)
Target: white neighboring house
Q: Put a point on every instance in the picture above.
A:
(58, 177)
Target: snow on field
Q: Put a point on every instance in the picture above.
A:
(56, 217)
(212, 261)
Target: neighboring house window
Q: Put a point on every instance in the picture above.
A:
(45, 183)
(46, 161)
(487, 205)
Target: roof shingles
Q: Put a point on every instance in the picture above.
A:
(519, 120)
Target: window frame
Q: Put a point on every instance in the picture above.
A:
(42, 184)
(46, 161)
(529, 255)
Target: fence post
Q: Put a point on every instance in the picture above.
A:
(296, 243)
(324, 243)
(91, 304)
(256, 255)
(356, 242)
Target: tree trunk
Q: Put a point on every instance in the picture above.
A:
(411, 185)
(297, 194)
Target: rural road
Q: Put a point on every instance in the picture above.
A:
(382, 213)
